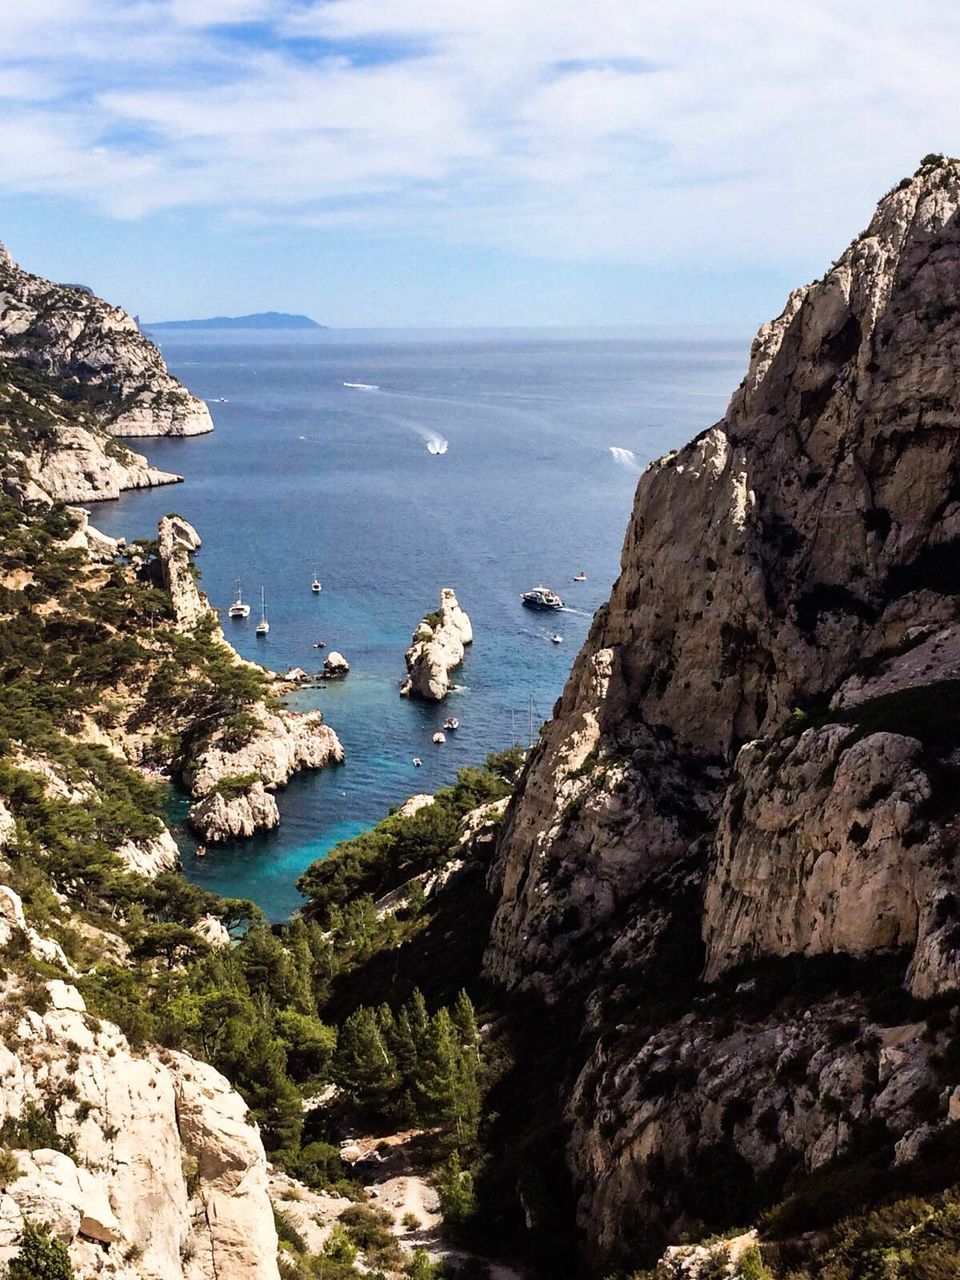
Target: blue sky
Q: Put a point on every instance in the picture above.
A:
(436, 162)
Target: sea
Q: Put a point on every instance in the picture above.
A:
(394, 463)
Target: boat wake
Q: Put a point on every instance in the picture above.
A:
(625, 458)
(361, 386)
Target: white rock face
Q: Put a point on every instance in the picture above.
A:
(78, 338)
(436, 650)
(14, 928)
(217, 817)
(140, 1123)
(826, 852)
(177, 541)
(150, 857)
(335, 664)
(287, 742)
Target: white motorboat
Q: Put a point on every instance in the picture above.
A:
(439, 738)
(239, 608)
(451, 725)
(555, 639)
(263, 626)
(315, 585)
(541, 597)
(580, 577)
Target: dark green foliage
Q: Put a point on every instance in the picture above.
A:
(401, 847)
(413, 1066)
(41, 1257)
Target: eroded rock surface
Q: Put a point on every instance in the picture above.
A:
(93, 347)
(755, 758)
(167, 1180)
(439, 644)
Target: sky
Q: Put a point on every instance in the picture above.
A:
(461, 162)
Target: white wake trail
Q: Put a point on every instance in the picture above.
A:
(625, 458)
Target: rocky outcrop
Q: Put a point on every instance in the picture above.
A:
(98, 355)
(439, 644)
(756, 755)
(76, 461)
(160, 1176)
(335, 665)
(151, 856)
(284, 743)
(225, 816)
(177, 542)
(810, 529)
(229, 783)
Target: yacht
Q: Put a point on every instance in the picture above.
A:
(263, 626)
(315, 586)
(580, 577)
(239, 608)
(541, 597)
(452, 724)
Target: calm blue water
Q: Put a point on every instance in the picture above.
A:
(303, 471)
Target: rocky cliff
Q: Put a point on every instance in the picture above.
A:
(96, 354)
(755, 758)
(143, 1163)
(53, 447)
(439, 645)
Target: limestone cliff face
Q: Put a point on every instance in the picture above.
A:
(97, 350)
(159, 1177)
(812, 528)
(439, 644)
(55, 449)
(756, 754)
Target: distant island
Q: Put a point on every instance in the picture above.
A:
(259, 320)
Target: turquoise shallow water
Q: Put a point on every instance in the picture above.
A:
(303, 471)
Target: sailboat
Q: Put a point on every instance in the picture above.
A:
(315, 586)
(263, 626)
(239, 608)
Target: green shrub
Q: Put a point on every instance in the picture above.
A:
(9, 1169)
(41, 1257)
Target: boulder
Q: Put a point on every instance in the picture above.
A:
(335, 664)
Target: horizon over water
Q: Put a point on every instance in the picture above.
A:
(546, 433)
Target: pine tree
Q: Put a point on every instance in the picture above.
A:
(302, 961)
(448, 1080)
(465, 1021)
(364, 1067)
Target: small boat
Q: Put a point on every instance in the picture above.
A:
(239, 608)
(263, 626)
(321, 644)
(451, 725)
(439, 738)
(580, 577)
(315, 586)
(201, 851)
(417, 762)
(541, 597)
(555, 639)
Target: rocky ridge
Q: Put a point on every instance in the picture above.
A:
(54, 449)
(439, 644)
(754, 758)
(98, 355)
(153, 1171)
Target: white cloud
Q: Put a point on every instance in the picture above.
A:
(624, 129)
